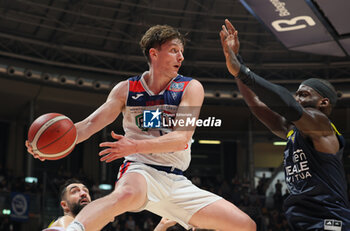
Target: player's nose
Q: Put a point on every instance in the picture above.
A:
(83, 193)
(180, 56)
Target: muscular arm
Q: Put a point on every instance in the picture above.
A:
(173, 141)
(105, 114)
(272, 120)
(100, 118)
(311, 122)
(277, 98)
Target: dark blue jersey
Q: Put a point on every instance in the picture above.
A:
(318, 190)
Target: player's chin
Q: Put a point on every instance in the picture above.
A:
(174, 74)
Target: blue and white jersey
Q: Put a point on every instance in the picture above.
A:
(140, 98)
(318, 191)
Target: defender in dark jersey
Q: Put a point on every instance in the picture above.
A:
(313, 156)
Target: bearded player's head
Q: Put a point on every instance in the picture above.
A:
(317, 93)
(74, 196)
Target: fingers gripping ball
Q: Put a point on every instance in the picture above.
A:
(52, 136)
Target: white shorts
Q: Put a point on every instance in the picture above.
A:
(170, 195)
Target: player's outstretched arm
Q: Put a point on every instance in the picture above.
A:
(230, 44)
(272, 120)
(100, 118)
(174, 141)
(311, 122)
(105, 114)
(264, 97)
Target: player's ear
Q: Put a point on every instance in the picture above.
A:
(64, 206)
(324, 102)
(153, 53)
(325, 106)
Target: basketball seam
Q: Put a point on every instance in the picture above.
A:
(56, 139)
(60, 153)
(43, 128)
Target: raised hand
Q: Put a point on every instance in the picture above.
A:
(117, 149)
(230, 45)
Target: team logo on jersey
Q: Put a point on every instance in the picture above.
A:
(176, 86)
(297, 168)
(139, 122)
(145, 120)
(138, 95)
(151, 118)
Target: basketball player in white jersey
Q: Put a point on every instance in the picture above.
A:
(151, 177)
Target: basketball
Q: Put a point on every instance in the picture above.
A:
(52, 136)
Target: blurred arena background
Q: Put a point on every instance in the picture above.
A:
(65, 55)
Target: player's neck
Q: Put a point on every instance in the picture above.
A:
(69, 214)
(156, 81)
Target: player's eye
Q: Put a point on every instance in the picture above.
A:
(302, 94)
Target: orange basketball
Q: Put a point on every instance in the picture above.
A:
(52, 136)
